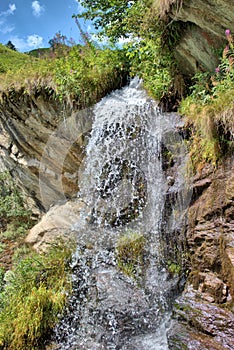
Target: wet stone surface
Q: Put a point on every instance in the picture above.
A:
(108, 310)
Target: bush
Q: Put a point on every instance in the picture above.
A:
(12, 202)
(82, 74)
(86, 74)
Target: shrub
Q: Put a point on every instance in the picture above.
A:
(86, 74)
(82, 74)
(15, 218)
(12, 201)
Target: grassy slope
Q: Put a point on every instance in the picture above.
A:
(82, 74)
(10, 59)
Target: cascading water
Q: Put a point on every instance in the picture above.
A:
(124, 186)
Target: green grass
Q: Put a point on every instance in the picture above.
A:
(81, 75)
(11, 60)
(209, 112)
(130, 253)
(33, 287)
(33, 296)
(44, 51)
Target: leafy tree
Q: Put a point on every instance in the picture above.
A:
(115, 18)
(11, 46)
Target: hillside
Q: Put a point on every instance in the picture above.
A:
(11, 60)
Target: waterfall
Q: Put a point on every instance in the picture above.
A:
(121, 301)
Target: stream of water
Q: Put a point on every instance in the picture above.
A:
(119, 301)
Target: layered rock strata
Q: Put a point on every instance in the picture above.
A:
(42, 145)
(204, 314)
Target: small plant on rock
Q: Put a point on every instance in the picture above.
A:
(130, 253)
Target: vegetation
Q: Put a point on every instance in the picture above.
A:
(209, 111)
(15, 219)
(33, 287)
(32, 296)
(130, 254)
(10, 59)
(174, 268)
(149, 37)
(82, 74)
(11, 46)
(86, 74)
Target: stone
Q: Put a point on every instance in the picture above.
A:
(214, 287)
(56, 225)
(201, 323)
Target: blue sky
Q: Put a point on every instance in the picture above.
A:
(30, 24)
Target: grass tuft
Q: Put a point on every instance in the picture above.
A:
(33, 296)
(130, 253)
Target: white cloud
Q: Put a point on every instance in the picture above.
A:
(123, 41)
(34, 41)
(37, 8)
(10, 11)
(4, 27)
(31, 42)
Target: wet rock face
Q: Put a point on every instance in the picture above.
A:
(108, 310)
(41, 144)
(201, 325)
(205, 22)
(204, 313)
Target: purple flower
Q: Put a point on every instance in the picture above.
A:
(227, 32)
(217, 70)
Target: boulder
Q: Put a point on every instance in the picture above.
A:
(56, 225)
(202, 325)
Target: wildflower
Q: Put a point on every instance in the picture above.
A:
(227, 32)
(225, 51)
(217, 70)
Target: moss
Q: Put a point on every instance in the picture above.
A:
(174, 268)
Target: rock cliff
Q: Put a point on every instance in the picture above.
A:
(41, 144)
(204, 313)
(203, 35)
